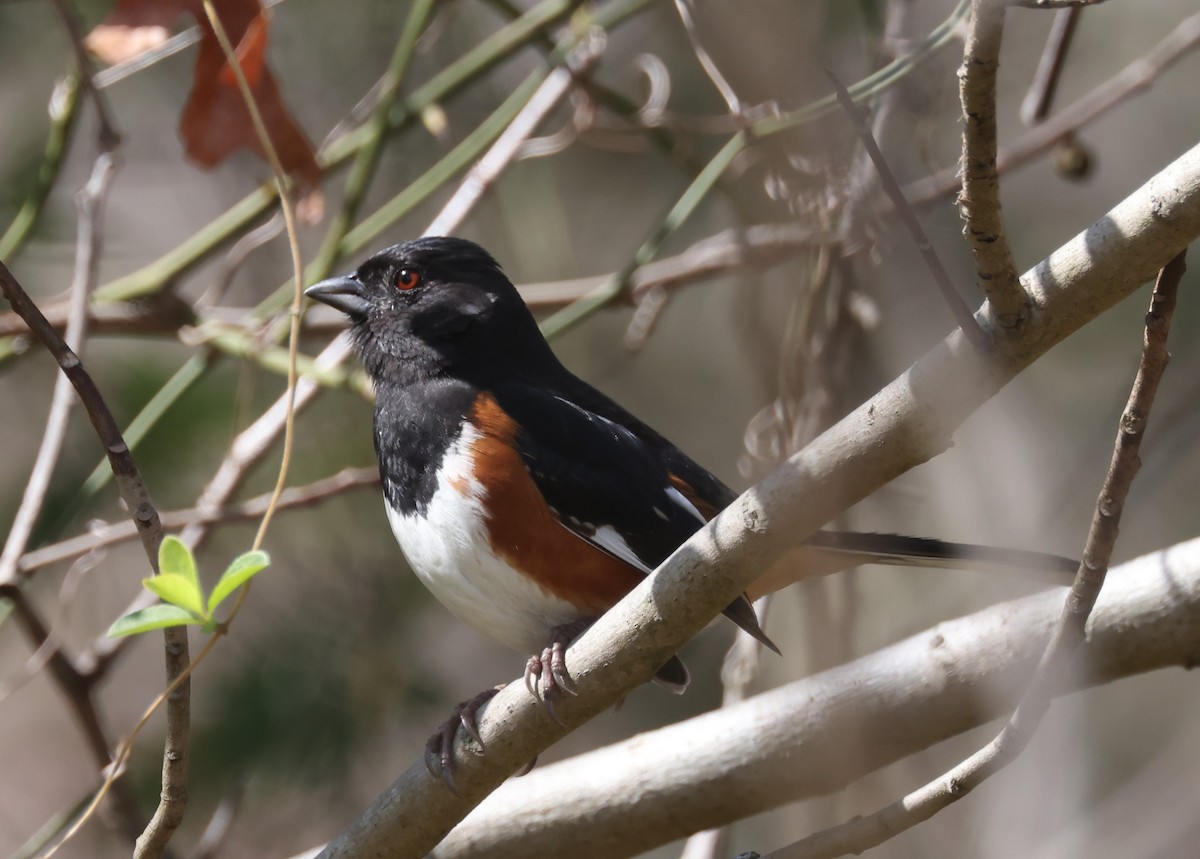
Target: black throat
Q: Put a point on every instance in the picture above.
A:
(415, 425)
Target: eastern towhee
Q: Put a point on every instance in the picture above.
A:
(527, 501)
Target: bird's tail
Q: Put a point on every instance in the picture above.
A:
(827, 552)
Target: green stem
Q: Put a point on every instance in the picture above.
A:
(459, 158)
(225, 228)
(615, 286)
(871, 85)
(64, 104)
(143, 422)
(368, 156)
(274, 358)
(165, 397)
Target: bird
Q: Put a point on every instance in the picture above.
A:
(523, 498)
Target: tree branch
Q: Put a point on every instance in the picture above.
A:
(744, 759)
(909, 422)
(862, 833)
(1135, 78)
(979, 202)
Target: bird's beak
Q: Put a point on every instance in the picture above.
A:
(344, 293)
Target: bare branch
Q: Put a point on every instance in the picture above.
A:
(129, 481)
(910, 421)
(246, 511)
(979, 201)
(1045, 80)
(91, 203)
(736, 108)
(484, 174)
(107, 133)
(761, 245)
(1135, 78)
(1067, 636)
(805, 739)
(941, 278)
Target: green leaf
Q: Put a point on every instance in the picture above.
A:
(243, 568)
(179, 590)
(174, 557)
(154, 617)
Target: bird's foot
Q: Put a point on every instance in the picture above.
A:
(546, 674)
(439, 750)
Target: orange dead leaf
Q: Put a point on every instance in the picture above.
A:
(215, 120)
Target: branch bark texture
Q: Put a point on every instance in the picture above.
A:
(819, 734)
(910, 421)
(979, 201)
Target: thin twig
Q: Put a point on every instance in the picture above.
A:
(48, 648)
(488, 169)
(129, 481)
(862, 833)
(941, 278)
(91, 204)
(107, 133)
(1135, 78)
(1037, 102)
(155, 317)
(365, 162)
(293, 497)
(736, 108)
(173, 797)
(289, 216)
(979, 201)
(64, 110)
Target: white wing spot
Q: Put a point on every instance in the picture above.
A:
(678, 497)
(608, 539)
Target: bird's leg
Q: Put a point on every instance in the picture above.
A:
(549, 668)
(439, 750)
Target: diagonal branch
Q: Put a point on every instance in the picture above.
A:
(907, 423)
(1135, 78)
(1067, 637)
(805, 739)
(937, 271)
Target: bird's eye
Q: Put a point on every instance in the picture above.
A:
(407, 279)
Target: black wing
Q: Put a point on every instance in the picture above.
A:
(602, 481)
(608, 485)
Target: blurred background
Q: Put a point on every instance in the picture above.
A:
(341, 664)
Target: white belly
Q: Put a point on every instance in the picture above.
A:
(449, 551)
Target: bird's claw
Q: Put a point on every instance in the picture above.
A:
(546, 675)
(439, 749)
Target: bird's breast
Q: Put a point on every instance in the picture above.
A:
(488, 546)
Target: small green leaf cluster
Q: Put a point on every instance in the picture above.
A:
(178, 585)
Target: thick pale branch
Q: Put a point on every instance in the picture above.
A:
(808, 738)
(907, 423)
(1068, 635)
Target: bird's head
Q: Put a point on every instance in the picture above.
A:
(434, 306)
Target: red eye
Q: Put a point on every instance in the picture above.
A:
(408, 279)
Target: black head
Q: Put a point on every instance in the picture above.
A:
(435, 306)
